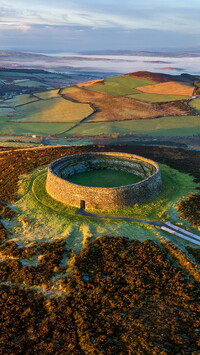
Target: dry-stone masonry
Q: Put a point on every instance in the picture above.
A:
(106, 198)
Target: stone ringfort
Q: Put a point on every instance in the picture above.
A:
(61, 189)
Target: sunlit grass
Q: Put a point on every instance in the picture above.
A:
(53, 110)
(21, 128)
(158, 97)
(17, 144)
(43, 218)
(168, 88)
(165, 126)
(47, 94)
(6, 111)
(21, 100)
(119, 85)
(69, 141)
(175, 185)
(42, 117)
(195, 104)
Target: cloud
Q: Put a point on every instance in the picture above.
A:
(130, 14)
(13, 26)
(79, 38)
(99, 24)
(8, 11)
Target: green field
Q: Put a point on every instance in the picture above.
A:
(6, 111)
(66, 90)
(120, 85)
(22, 139)
(47, 94)
(21, 128)
(69, 141)
(104, 178)
(40, 217)
(50, 116)
(54, 110)
(30, 83)
(195, 104)
(182, 126)
(16, 144)
(48, 113)
(19, 142)
(158, 97)
(21, 100)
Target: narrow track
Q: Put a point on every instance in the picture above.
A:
(166, 227)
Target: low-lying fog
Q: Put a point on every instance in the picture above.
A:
(101, 63)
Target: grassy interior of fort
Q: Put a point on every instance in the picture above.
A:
(104, 178)
(40, 217)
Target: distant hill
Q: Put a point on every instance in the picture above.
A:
(140, 53)
(160, 77)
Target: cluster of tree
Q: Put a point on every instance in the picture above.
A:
(189, 209)
(124, 297)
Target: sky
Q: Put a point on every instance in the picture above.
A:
(86, 25)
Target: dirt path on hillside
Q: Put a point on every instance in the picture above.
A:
(82, 212)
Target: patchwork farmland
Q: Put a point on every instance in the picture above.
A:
(141, 104)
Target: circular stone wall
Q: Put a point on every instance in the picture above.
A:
(72, 194)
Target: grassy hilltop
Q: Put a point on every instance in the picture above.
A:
(61, 274)
(79, 285)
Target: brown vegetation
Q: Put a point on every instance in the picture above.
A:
(168, 88)
(145, 75)
(3, 233)
(130, 299)
(90, 83)
(12, 269)
(195, 253)
(31, 324)
(183, 260)
(162, 78)
(112, 108)
(190, 209)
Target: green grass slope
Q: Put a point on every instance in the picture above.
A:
(158, 97)
(53, 110)
(120, 85)
(22, 128)
(165, 126)
(195, 104)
